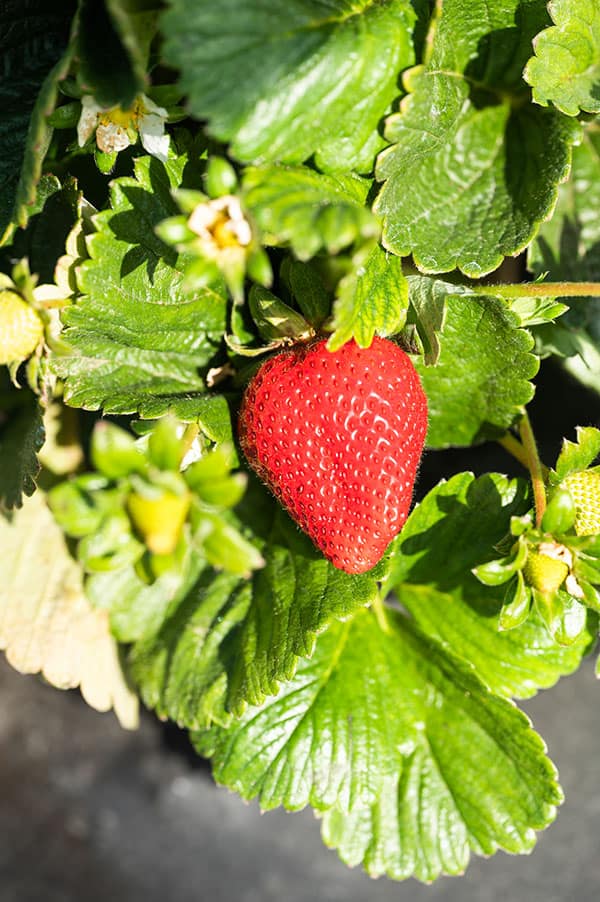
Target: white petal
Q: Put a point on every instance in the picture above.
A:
(88, 119)
(151, 107)
(112, 138)
(154, 140)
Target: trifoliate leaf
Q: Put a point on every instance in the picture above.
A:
(567, 248)
(309, 211)
(413, 760)
(453, 529)
(474, 168)
(472, 394)
(21, 437)
(34, 36)
(46, 623)
(231, 642)
(372, 299)
(291, 78)
(139, 340)
(565, 70)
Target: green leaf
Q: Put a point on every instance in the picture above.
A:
(578, 455)
(472, 394)
(33, 39)
(516, 604)
(567, 248)
(46, 623)
(138, 609)
(140, 342)
(427, 312)
(308, 210)
(135, 21)
(105, 69)
(565, 70)
(372, 299)
(231, 642)
(291, 78)
(21, 437)
(308, 290)
(474, 168)
(453, 769)
(455, 527)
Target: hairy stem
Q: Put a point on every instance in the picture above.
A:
(544, 290)
(534, 465)
(514, 447)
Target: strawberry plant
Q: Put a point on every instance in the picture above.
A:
(254, 258)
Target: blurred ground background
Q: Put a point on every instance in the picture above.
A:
(89, 812)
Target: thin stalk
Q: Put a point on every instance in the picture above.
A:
(534, 465)
(514, 447)
(378, 608)
(543, 289)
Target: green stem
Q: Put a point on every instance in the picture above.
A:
(514, 447)
(543, 289)
(534, 465)
(378, 608)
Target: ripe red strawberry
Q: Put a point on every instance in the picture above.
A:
(337, 437)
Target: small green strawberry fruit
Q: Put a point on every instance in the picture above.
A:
(545, 572)
(21, 328)
(159, 520)
(585, 491)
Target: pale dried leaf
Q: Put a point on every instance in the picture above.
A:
(47, 625)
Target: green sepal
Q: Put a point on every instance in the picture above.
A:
(591, 595)
(220, 177)
(258, 267)
(563, 616)
(560, 513)
(74, 509)
(273, 318)
(188, 199)
(111, 547)
(105, 162)
(520, 525)
(495, 573)
(516, 603)
(165, 447)
(200, 273)
(65, 116)
(174, 230)
(578, 455)
(307, 289)
(114, 452)
(226, 548)
(587, 567)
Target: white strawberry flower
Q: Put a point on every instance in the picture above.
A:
(117, 129)
(221, 226)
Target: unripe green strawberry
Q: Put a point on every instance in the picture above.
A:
(585, 491)
(21, 328)
(159, 521)
(337, 437)
(544, 573)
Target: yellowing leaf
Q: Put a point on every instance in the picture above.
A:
(47, 625)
